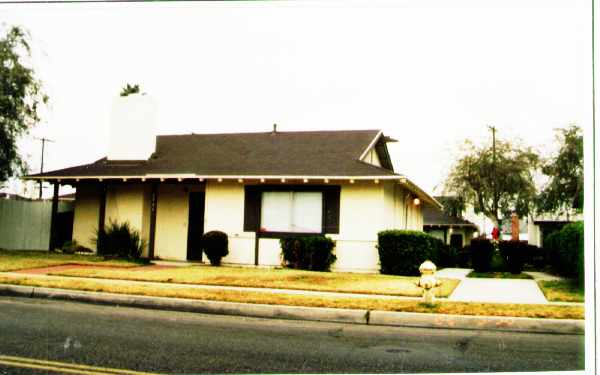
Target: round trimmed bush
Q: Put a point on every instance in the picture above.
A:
(215, 245)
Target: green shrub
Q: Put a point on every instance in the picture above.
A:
(401, 252)
(313, 253)
(569, 251)
(535, 256)
(498, 263)
(513, 253)
(447, 255)
(119, 240)
(463, 257)
(215, 245)
(481, 252)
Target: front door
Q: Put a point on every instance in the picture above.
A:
(195, 225)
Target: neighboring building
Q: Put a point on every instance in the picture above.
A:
(452, 229)
(541, 225)
(256, 187)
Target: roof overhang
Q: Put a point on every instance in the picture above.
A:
(420, 193)
(241, 178)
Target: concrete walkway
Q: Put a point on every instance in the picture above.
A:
(543, 276)
(498, 291)
(454, 273)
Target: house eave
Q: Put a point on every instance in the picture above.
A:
(188, 176)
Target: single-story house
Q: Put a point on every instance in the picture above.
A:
(256, 187)
(452, 229)
(540, 226)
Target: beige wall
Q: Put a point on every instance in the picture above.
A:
(400, 212)
(172, 213)
(224, 211)
(85, 219)
(362, 214)
(365, 209)
(125, 203)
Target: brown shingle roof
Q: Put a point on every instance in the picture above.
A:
(433, 216)
(311, 153)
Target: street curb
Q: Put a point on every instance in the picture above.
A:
(494, 323)
(385, 318)
(189, 305)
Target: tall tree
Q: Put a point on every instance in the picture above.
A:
(495, 180)
(563, 194)
(20, 97)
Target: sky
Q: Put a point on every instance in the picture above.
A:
(428, 73)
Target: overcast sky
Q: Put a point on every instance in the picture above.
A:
(429, 73)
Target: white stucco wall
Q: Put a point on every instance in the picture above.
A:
(361, 217)
(365, 209)
(224, 211)
(125, 203)
(399, 210)
(172, 212)
(85, 219)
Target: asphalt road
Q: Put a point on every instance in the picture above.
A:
(176, 342)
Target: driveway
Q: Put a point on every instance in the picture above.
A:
(498, 290)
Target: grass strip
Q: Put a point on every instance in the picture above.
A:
(272, 278)
(444, 307)
(499, 275)
(562, 291)
(19, 260)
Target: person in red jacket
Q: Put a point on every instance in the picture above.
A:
(495, 233)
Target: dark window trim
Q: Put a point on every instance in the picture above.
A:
(288, 234)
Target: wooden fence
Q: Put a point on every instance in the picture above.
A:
(25, 225)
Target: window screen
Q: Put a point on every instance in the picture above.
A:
(287, 211)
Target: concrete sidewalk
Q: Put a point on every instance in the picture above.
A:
(498, 291)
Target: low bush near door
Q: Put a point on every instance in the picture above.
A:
(215, 245)
(313, 253)
(119, 240)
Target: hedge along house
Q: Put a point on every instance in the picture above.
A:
(256, 187)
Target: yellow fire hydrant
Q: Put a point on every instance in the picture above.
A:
(428, 281)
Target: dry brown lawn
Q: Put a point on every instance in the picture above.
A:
(19, 260)
(272, 278)
(445, 307)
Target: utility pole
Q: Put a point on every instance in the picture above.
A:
(44, 140)
(494, 195)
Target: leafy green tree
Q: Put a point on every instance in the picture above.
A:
(495, 185)
(563, 193)
(453, 205)
(20, 97)
(130, 89)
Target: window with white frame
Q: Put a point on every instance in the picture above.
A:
(292, 211)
